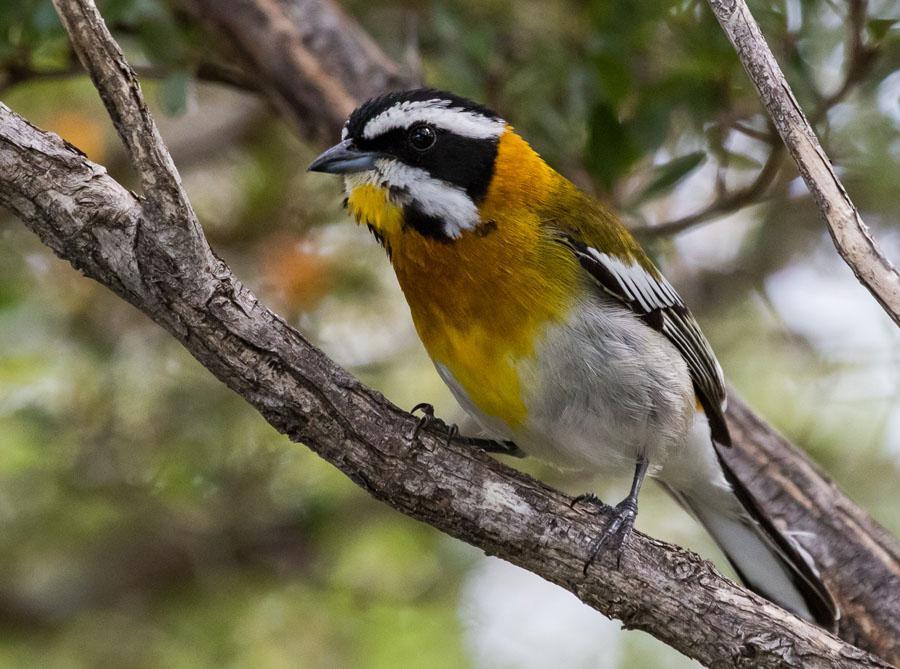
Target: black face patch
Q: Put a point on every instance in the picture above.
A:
(462, 161)
(425, 225)
(466, 162)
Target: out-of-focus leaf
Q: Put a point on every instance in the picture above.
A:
(173, 92)
(742, 161)
(669, 174)
(878, 28)
(611, 149)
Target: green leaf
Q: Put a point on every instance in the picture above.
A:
(174, 91)
(742, 161)
(611, 148)
(881, 27)
(670, 174)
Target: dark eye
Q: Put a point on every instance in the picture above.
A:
(422, 137)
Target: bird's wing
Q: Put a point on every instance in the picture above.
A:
(653, 299)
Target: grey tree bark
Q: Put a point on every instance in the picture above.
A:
(848, 231)
(152, 252)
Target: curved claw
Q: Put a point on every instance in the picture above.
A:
(427, 416)
(625, 513)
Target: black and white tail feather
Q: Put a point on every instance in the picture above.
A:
(768, 561)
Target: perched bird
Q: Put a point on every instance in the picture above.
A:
(550, 324)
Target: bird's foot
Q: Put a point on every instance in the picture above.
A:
(451, 432)
(615, 533)
(429, 420)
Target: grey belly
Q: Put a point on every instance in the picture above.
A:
(603, 390)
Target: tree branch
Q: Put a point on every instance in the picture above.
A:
(724, 204)
(859, 62)
(848, 231)
(310, 72)
(134, 249)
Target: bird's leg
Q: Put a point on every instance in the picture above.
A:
(429, 420)
(624, 515)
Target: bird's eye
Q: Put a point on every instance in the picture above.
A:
(422, 137)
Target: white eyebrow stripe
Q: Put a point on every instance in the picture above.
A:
(438, 112)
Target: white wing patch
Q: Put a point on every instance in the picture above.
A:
(651, 293)
(457, 120)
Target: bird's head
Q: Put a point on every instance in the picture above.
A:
(420, 159)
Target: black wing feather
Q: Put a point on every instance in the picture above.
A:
(654, 301)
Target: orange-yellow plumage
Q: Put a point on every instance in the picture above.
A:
(490, 314)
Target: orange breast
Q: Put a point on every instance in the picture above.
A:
(482, 302)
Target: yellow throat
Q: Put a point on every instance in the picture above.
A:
(482, 302)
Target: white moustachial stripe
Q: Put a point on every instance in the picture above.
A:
(437, 112)
(436, 198)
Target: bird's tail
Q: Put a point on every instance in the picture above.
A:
(769, 562)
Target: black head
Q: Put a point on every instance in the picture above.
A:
(428, 147)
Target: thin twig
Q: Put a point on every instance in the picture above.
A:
(121, 93)
(859, 62)
(727, 204)
(848, 231)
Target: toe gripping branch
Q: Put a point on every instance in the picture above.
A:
(451, 433)
(622, 522)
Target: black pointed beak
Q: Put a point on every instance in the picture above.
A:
(343, 158)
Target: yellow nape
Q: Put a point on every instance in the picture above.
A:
(370, 205)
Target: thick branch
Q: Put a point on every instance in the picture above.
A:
(89, 219)
(319, 63)
(851, 236)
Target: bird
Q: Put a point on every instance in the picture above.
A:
(551, 325)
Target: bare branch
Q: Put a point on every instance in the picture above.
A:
(860, 59)
(121, 93)
(726, 204)
(850, 234)
(275, 36)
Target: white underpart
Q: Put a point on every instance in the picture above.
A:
(604, 390)
(434, 197)
(438, 112)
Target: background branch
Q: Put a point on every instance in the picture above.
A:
(848, 231)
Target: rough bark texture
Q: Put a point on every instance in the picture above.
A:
(858, 559)
(152, 252)
(850, 234)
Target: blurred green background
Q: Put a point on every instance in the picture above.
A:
(150, 518)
